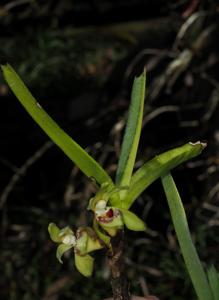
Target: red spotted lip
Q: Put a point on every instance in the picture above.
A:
(108, 217)
(110, 213)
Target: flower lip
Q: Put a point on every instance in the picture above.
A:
(109, 215)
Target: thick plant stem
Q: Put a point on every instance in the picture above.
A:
(119, 282)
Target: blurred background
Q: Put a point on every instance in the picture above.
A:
(79, 59)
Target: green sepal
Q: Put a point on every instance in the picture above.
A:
(62, 248)
(82, 239)
(93, 244)
(110, 231)
(84, 264)
(91, 204)
(132, 221)
(102, 236)
(115, 198)
(65, 231)
(54, 232)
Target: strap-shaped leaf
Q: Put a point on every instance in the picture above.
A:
(193, 264)
(157, 167)
(213, 278)
(132, 132)
(78, 155)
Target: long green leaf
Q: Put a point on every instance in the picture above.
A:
(132, 132)
(79, 156)
(159, 166)
(193, 264)
(213, 278)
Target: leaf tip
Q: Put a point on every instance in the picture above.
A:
(3, 67)
(198, 143)
(6, 70)
(141, 74)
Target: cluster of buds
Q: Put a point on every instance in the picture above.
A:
(82, 242)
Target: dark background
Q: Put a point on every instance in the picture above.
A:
(79, 59)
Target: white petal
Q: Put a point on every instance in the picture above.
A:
(101, 204)
(69, 240)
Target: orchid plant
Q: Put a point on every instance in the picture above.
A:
(112, 202)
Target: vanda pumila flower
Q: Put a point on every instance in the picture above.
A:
(82, 242)
(112, 218)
